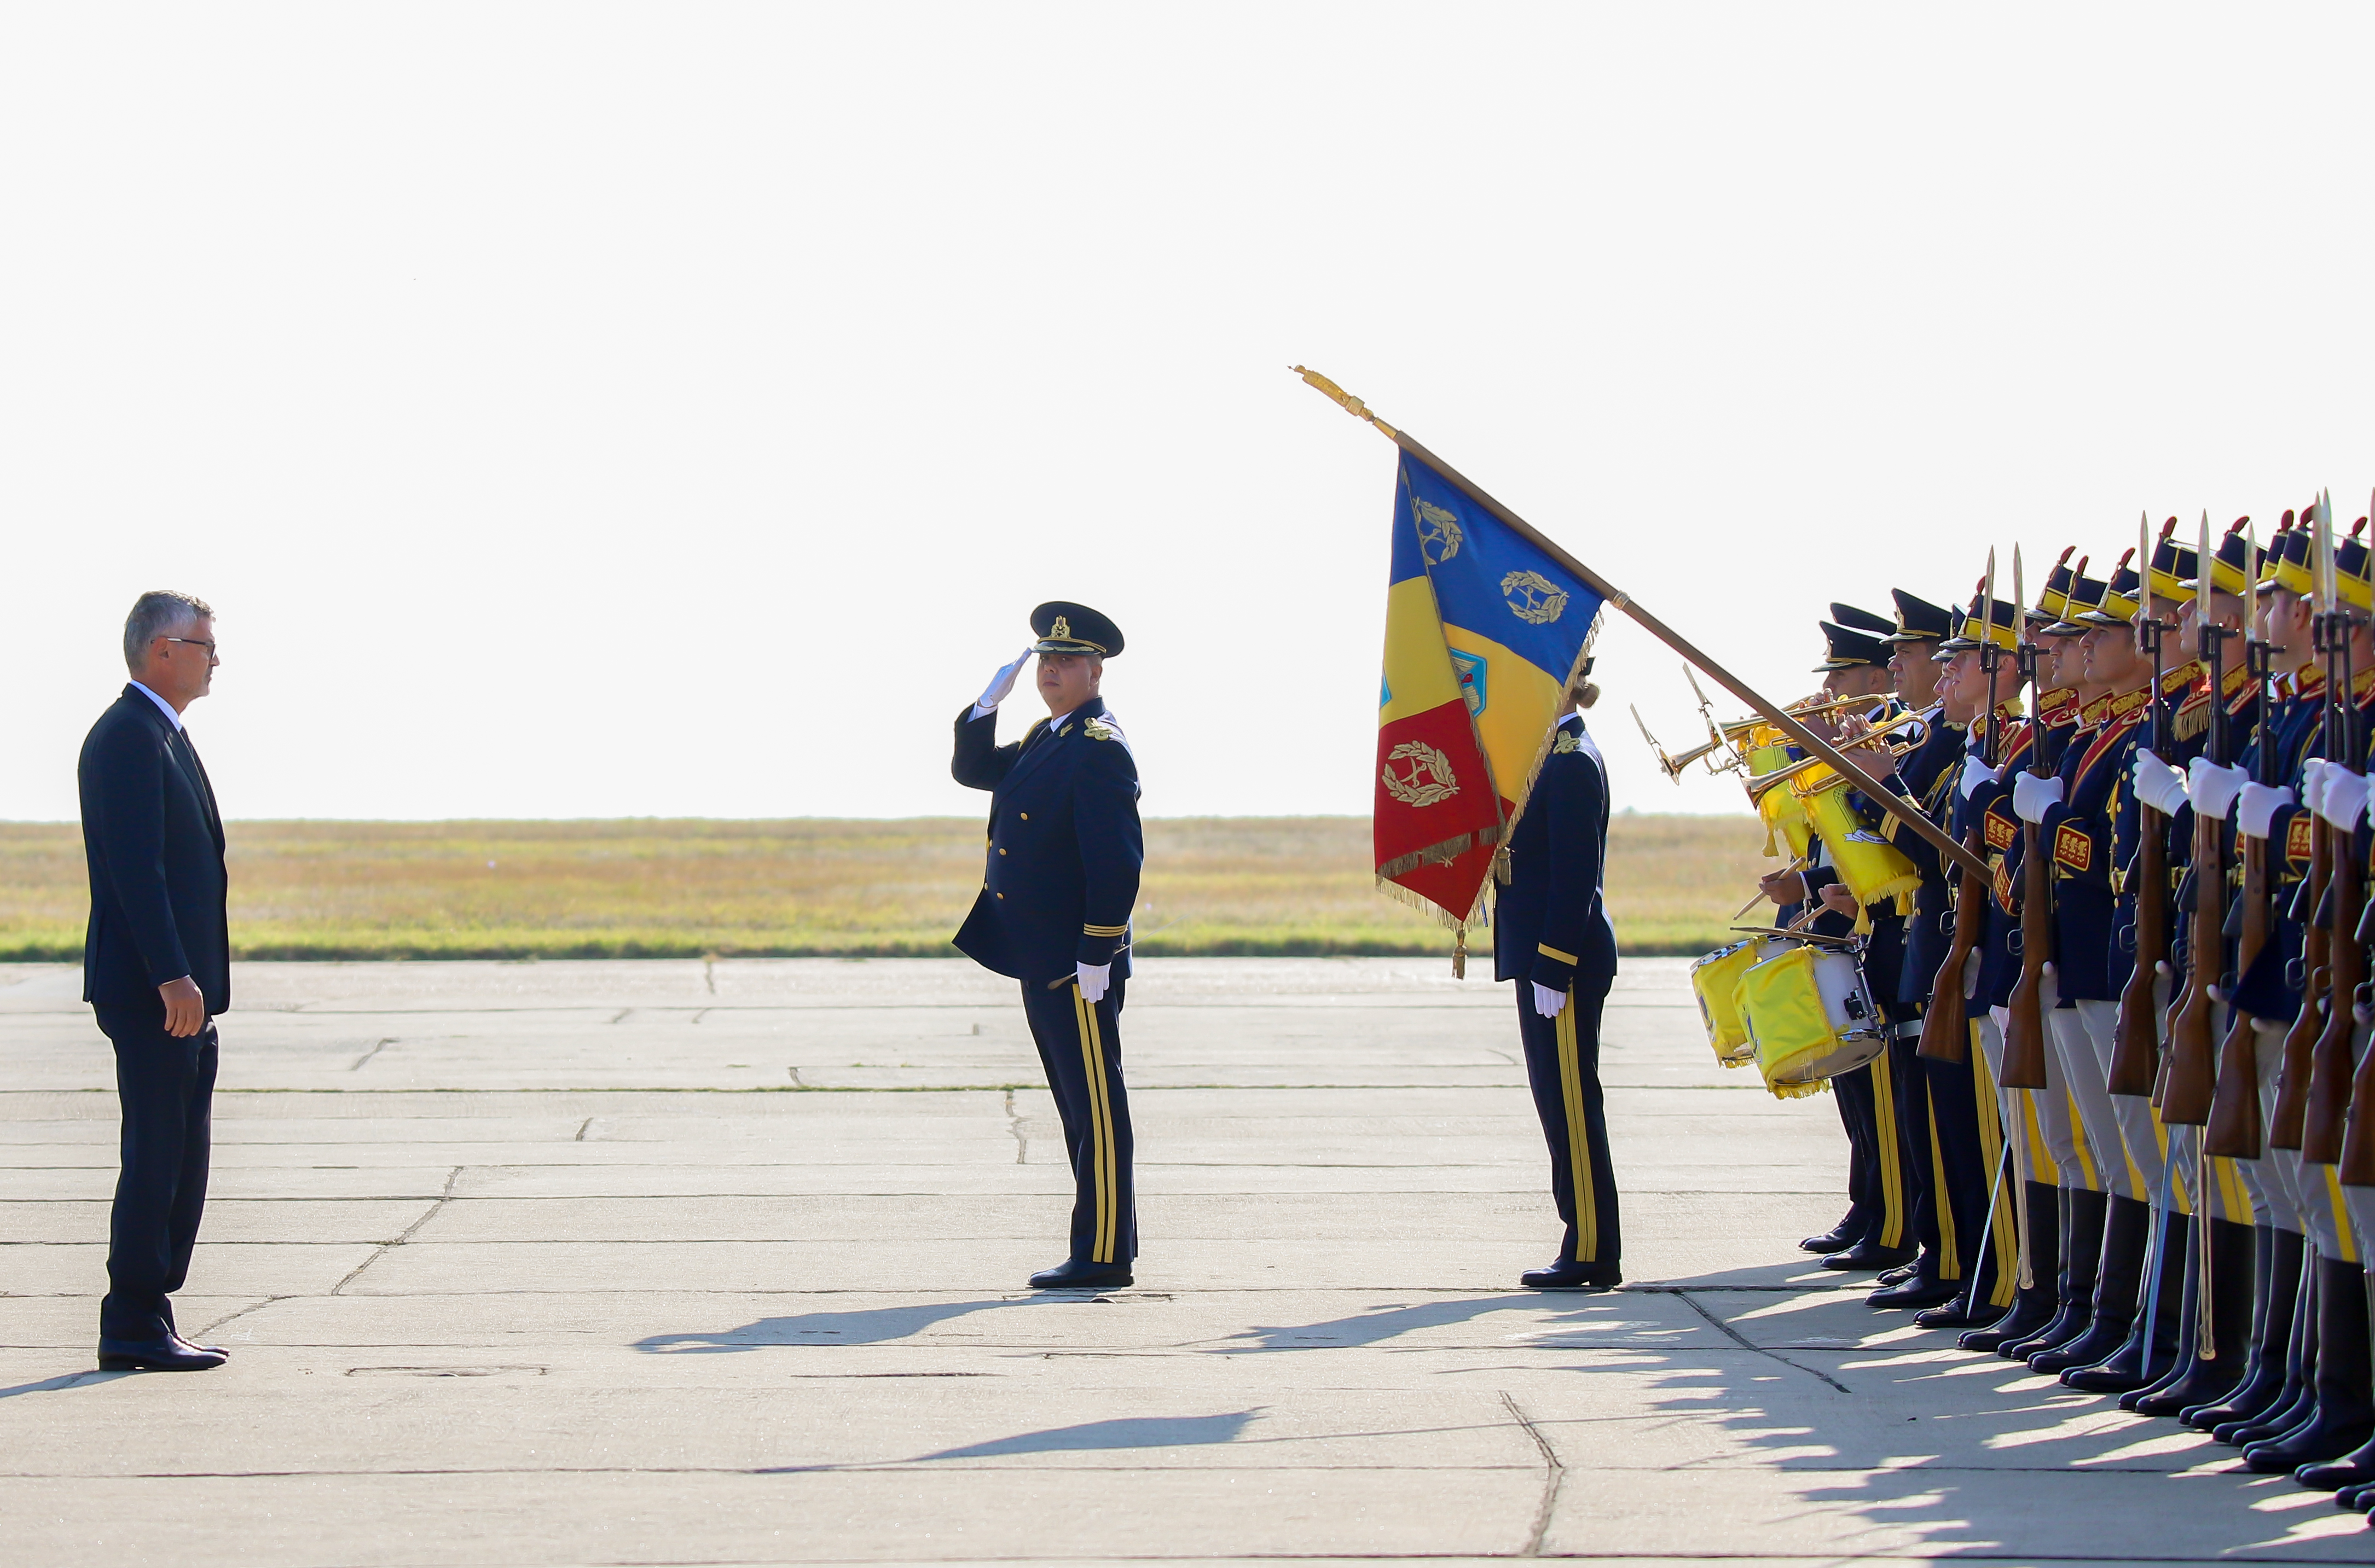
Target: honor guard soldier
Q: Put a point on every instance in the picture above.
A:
(1054, 911)
(1551, 935)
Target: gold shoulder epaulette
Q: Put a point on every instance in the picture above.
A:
(1097, 729)
(1567, 742)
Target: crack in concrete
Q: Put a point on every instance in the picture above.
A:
(709, 975)
(1554, 1476)
(582, 1128)
(217, 1327)
(701, 1014)
(1741, 1340)
(1014, 1126)
(370, 1053)
(796, 1078)
(386, 1247)
(623, 1012)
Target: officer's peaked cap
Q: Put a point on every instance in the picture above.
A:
(1919, 620)
(1063, 627)
(1856, 619)
(1850, 650)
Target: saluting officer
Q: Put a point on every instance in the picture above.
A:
(1551, 935)
(1064, 852)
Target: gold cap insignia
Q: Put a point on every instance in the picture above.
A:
(1061, 628)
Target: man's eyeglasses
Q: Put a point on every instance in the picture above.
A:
(196, 643)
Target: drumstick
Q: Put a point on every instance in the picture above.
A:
(1798, 864)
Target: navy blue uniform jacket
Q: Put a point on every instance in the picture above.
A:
(1550, 923)
(155, 845)
(1064, 846)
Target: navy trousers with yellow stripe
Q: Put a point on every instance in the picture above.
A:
(1563, 1064)
(1079, 1047)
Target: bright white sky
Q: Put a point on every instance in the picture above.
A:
(584, 410)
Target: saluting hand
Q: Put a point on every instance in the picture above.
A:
(1000, 684)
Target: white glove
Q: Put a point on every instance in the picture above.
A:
(2313, 777)
(2256, 808)
(2214, 788)
(2159, 786)
(1975, 774)
(2344, 798)
(2033, 795)
(999, 685)
(1094, 978)
(1548, 1002)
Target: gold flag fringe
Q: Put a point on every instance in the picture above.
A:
(1442, 854)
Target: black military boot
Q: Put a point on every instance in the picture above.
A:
(2344, 1416)
(2151, 1346)
(2186, 1347)
(1866, 1253)
(2274, 1285)
(2214, 1377)
(2119, 1277)
(2291, 1405)
(2082, 1249)
(2041, 1297)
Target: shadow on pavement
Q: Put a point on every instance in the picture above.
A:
(89, 1376)
(1131, 1431)
(870, 1325)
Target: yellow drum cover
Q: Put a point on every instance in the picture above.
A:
(1873, 869)
(1779, 809)
(1713, 980)
(1810, 1017)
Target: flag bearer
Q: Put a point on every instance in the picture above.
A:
(1551, 935)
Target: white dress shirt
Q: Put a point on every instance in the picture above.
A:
(164, 707)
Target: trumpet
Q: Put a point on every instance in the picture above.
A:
(1877, 736)
(1674, 765)
(1809, 708)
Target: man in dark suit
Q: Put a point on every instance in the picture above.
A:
(157, 969)
(1054, 911)
(1550, 933)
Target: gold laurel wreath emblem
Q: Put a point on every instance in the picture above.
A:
(1533, 598)
(1438, 533)
(1429, 780)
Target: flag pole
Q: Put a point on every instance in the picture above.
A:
(1889, 801)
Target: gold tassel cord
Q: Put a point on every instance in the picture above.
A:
(1459, 953)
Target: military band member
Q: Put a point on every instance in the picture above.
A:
(1878, 1231)
(1552, 937)
(1063, 856)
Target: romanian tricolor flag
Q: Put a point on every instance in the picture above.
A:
(1483, 633)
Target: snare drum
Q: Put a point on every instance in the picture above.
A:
(1810, 1016)
(1714, 979)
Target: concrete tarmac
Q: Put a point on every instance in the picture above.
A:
(686, 1263)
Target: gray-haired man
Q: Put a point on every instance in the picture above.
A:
(157, 969)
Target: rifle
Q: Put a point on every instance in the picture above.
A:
(2024, 1052)
(2346, 961)
(1946, 1022)
(2135, 1038)
(2234, 1130)
(2188, 1071)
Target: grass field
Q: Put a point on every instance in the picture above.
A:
(655, 889)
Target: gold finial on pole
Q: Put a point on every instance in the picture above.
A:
(1350, 404)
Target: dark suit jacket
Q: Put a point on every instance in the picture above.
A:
(1550, 923)
(1064, 846)
(155, 845)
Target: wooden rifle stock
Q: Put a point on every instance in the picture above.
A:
(2286, 1124)
(2234, 1131)
(2023, 1055)
(2135, 1038)
(2346, 961)
(2189, 1072)
(1946, 1025)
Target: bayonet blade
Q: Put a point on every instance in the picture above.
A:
(2259, 601)
(2144, 578)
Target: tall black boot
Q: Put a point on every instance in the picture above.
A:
(2119, 1275)
(2082, 1249)
(2293, 1401)
(2188, 1341)
(2232, 1251)
(2040, 1299)
(2344, 1416)
(2275, 1263)
(2142, 1358)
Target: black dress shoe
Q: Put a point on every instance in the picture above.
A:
(1828, 1241)
(1863, 1255)
(1572, 1276)
(174, 1331)
(1917, 1293)
(1900, 1274)
(1075, 1275)
(1952, 1316)
(167, 1354)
